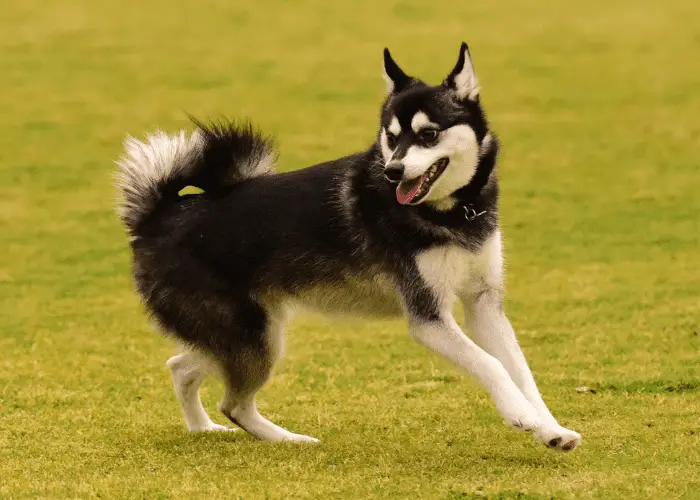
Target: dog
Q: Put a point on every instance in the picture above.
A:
(406, 227)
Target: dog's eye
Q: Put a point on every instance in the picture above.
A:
(391, 140)
(428, 135)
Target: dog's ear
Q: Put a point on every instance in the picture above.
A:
(396, 79)
(463, 79)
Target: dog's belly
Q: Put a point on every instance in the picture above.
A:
(367, 296)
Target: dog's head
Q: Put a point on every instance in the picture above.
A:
(431, 137)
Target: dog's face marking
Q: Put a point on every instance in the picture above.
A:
(435, 132)
(384, 146)
(387, 139)
(421, 121)
(394, 126)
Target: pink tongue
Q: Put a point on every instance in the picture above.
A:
(406, 197)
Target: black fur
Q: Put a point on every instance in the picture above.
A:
(401, 80)
(227, 154)
(232, 153)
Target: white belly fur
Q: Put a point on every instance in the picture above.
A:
(447, 270)
(374, 296)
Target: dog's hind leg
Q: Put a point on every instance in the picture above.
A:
(247, 368)
(189, 369)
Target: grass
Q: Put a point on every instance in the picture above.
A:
(598, 110)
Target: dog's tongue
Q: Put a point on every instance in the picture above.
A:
(406, 191)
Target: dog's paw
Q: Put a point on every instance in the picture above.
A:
(212, 427)
(522, 416)
(559, 438)
(524, 422)
(301, 438)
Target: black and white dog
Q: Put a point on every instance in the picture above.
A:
(408, 226)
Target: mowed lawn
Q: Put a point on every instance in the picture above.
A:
(598, 108)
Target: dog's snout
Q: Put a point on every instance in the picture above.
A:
(394, 172)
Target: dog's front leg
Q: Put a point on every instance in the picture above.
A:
(444, 336)
(491, 329)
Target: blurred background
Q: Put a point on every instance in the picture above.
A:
(597, 107)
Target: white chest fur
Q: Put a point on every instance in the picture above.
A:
(450, 270)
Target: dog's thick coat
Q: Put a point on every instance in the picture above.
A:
(408, 226)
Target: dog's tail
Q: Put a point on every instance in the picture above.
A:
(214, 158)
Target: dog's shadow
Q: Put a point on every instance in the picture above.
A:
(178, 442)
(178, 439)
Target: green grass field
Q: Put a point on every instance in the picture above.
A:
(598, 108)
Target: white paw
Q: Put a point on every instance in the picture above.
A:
(212, 427)
(301, 438)
(558, 437)
(524, 422)
(520, 414)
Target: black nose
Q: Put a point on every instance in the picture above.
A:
(394, 172)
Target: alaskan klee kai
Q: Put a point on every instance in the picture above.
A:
(408, 226)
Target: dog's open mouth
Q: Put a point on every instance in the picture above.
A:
(408, 192)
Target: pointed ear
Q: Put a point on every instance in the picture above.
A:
(396, 79)
(463, 78)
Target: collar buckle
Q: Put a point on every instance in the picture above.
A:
(470, 214)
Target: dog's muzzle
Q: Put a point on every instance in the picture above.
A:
(394, 171)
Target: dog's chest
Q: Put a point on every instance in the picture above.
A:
(445, 269)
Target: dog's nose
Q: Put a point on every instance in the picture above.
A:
(394, 172)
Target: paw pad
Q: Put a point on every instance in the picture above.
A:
(554, 442)
(569, 446)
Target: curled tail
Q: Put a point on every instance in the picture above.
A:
(214, 158)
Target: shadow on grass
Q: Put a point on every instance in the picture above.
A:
(181, 438)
